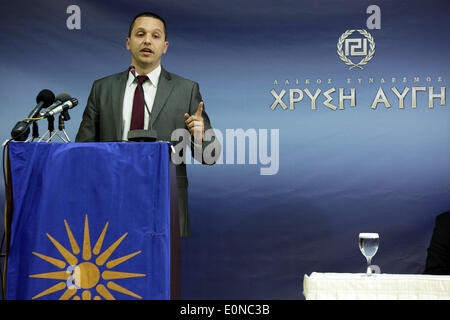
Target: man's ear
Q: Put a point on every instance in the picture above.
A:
(127, 42)
(166, 45)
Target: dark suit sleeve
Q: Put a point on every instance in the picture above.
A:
(89, 127)
(211, 147)
(438, 257)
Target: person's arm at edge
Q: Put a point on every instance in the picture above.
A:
(89, 131)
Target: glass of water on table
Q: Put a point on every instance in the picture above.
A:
(368, 244)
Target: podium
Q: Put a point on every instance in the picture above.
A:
(92, 221)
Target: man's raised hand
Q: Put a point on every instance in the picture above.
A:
(195, 124)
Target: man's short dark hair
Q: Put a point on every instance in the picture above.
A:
(150, 15)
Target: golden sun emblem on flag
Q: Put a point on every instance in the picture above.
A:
(82, 276)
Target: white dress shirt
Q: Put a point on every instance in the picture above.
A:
(149, 88)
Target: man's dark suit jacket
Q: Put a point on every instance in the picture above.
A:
(175, 96)
(438, 258)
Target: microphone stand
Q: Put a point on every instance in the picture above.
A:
(51, 128)
(61, 125)
(35, 132)
(64, 116)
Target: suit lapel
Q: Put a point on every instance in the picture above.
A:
(117, 94)
(165, 86)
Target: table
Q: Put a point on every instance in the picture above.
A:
(359, 286)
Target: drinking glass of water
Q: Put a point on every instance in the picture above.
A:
(368, 244)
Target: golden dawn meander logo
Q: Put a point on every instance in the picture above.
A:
(81, 273)
(355, 47)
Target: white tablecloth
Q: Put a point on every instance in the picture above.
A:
(358, 286)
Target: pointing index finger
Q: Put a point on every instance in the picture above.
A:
(199, 111)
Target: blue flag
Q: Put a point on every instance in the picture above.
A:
(90, 221)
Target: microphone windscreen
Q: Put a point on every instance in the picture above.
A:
(45, 96)
(63, 97)
(20, 131)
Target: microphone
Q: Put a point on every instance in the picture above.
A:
(69, 104)
(21, 130)
(60, 99)
(44, 99)
(141, 135)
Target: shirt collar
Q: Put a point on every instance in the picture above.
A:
(153, 76)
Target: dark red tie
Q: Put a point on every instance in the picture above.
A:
(137, 116)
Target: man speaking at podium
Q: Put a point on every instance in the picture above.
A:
(147, 97)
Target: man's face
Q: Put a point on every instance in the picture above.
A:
(147, 43)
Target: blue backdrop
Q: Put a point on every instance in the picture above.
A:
(341, 172)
